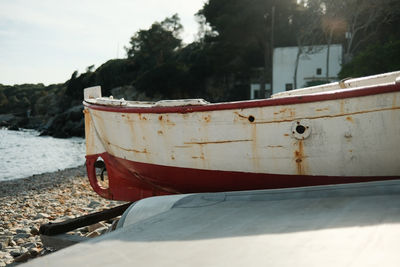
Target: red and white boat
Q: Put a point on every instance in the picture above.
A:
(342, 132)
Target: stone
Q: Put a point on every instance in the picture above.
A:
(23, 250)
(23, 231)
(20, 241)
(35, 201)
(21, 235)
(4, 241)
(9, 261)
(2, 263)
(29, 245)
(41, 215)
(34, 252)
(93, 204)
(15, 252)
(34, 230)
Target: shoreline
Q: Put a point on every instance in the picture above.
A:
(27, 203)
(44, 179)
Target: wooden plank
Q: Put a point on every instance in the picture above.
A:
(50, 229)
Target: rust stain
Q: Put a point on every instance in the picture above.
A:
(170, 123)
(254, 148)
(165, 121)
(140, 151)
(241, 115)
(160, 132)
(123, 115)
(217, 142)
(350, 119)
(172, 157)
(299, 158)
(321, 109)
(291, 112)
(286, 135)
(342, 106)
(195, 157)
(88, 133)
(207, 118)
(142, 117)
(144, 151)
(329, 116)
(183, 146)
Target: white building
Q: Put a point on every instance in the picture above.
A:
(312, 66)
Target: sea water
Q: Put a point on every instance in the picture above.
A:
(25, 153)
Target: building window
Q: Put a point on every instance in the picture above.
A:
(256, 94)
(289, 86)
(319, 71)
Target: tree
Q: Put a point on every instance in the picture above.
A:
(241, 36)
(156, 45)
(3, 101)
(153, 53)
(373, 60)
(307, 20)
(333, 26)
(90, 68)
(364, 19)
(76, 84)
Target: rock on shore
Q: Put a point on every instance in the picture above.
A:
(25, 204)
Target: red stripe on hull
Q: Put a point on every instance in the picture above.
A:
(131, 181)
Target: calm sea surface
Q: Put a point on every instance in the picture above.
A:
(24, 153)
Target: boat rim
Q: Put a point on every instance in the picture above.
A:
(245, 104)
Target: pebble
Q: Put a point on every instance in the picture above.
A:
(25, 204)
(23, 231)
(34, 230)
(42, 215)
(21, 235)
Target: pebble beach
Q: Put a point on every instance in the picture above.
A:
(27, 203)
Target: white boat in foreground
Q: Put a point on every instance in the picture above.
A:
(330, 226)
(338, 133)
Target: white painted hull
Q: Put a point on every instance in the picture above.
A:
(345, 137)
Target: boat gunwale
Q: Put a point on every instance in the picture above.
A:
(245, 104)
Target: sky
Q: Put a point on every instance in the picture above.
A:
(45, 41)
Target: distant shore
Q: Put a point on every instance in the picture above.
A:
(27, 203)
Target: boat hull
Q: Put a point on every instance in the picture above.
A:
(338, 137)
(136, 180)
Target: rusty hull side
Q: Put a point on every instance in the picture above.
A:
(343, 140)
